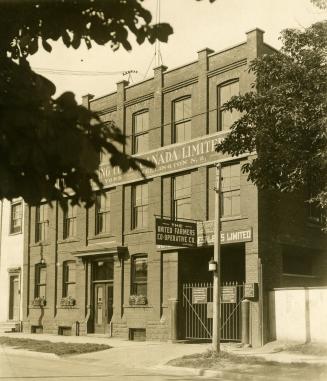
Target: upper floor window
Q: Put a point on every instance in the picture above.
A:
(139, 279)
(70, 221)
(41, 223)
(225, 117)
(230, 190)
(40, 280)
(182, 196)
(140, 132)
(102, 213)
(69, 279)
(140, 201)
(16, 217)
(182, 114)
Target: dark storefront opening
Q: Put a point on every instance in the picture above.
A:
(193, 264)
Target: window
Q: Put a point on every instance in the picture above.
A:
(182, 196)
(230, 190)
(41, 223)
(69, 279)
(139, 275)
(16, 217)
(40, 280)
(69, 221)
(182, 120)
(227, 118)
(140, 132)
(140, 200)
(102, 213)
(103, 269)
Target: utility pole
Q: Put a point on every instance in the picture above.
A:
(216, 274)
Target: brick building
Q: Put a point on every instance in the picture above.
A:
(101, 271)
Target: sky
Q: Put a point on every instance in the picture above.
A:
(196, 24)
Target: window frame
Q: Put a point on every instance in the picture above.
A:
(135, 135)
(104, 214)
(181, 121)
(69, 221)
(20, 218)
(65, 279)
(41, 225)
(173, 193)
(230, 191)
(220, 107)
(135, 225)
(135, 283)
(38, 284)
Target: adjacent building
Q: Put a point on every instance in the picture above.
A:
(104, 269)
(11, 264)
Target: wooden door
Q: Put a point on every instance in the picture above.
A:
(103, 307)
(14, 300)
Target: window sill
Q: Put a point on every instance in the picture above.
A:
(137, 306)
(102, 235)
(68, 240)
(299, 275)
(314, 224)
(138, 231)
(232, 218)
(67, 307)
(38, 307)
(11, 234)
(41, 243)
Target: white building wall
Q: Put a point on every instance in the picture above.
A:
(298, 314)
(11, 256)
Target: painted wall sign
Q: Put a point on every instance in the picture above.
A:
(206, 235)
(228, 294)
(173, 158)
(199, 295)
(175, 233)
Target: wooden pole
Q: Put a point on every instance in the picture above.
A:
(216, 274)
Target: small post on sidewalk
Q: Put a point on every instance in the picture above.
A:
(216, 274)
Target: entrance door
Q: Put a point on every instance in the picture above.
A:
(103, 307)
(14, 298)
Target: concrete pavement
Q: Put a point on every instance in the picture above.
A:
(135, 360)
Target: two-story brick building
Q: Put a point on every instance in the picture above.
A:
(100, 270)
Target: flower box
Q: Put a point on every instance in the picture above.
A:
(39, 302)
(138, 300)
(68, 301)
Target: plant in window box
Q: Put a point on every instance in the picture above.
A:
(138, 300)
(67, 301)
(39, 301)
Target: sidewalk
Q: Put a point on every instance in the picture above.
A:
(151, 353)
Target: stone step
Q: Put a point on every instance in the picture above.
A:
(9, 326)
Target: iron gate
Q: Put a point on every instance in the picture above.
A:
(197, 310)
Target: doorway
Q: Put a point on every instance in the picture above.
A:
(103, 307)
(103, 295)
(14, 299)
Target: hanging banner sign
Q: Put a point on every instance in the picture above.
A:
(176, 233)
(206, 236)
(173, 158)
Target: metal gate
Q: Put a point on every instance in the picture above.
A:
(197, 310)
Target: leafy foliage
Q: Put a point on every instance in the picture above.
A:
(284, 117)
(48, 146)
